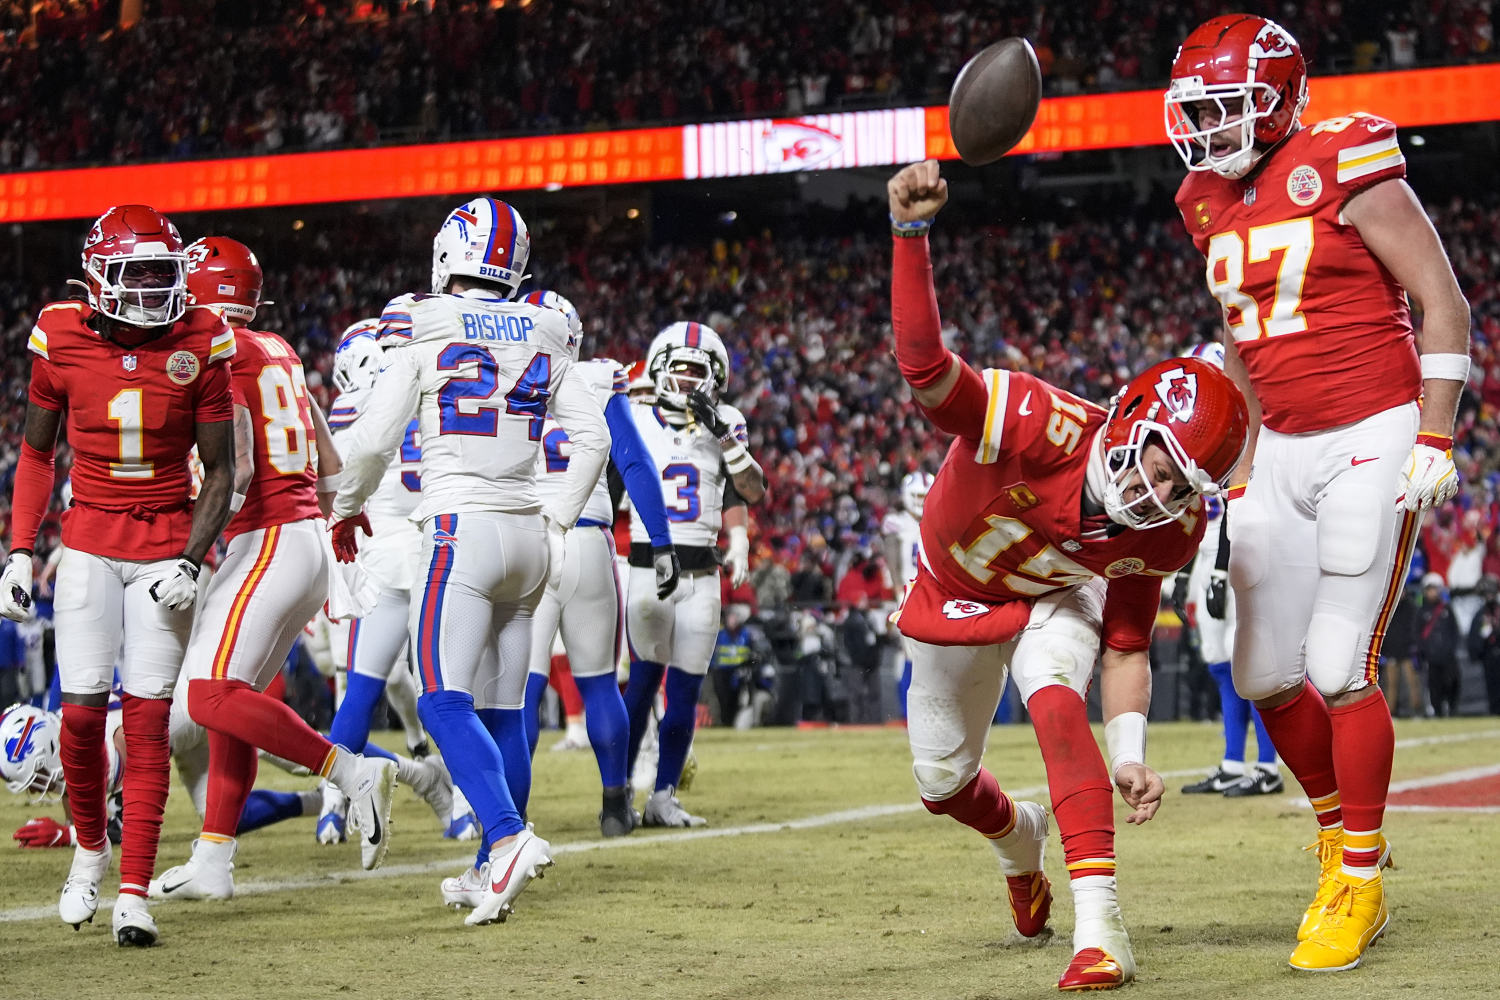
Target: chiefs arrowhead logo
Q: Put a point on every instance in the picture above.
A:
(1271, 43)
(956, 610)
(1178, 391)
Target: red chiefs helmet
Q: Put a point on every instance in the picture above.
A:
(1195, 413)
(1252, 69)
(639, 384)
(224, 275)
(134, 267)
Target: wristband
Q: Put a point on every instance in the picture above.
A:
(1441, 442)
(331, 483)
(236, 501)
(1454, 367)
(737, 458)
(1125, 737)
(915, 227)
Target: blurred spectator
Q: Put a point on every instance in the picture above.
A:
(1484, 642)
(743, 675)
(863, 651)
(1399, 669)
(1437, 642)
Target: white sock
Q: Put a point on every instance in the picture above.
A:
(1235, 767)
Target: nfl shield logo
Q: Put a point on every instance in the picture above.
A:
(1249, 197)
(129, 362)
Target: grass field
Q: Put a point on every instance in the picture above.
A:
(820, 877)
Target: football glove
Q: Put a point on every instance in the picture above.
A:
(1217, 601)
(1179, 597)
(44, 831)
(15, 587)
(706, 413)
(345, 537)
(179, 590)
(668, 570)
(1429, 477)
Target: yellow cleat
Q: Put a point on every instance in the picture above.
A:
(1355, 917)
(1330, 851)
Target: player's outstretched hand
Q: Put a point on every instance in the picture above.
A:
(917, 192)
(1429, 477)
(668, 570)
(177, 591)
(15, 587)
(346, 538)
(706, 413)
(1141, 788)
(44, 831)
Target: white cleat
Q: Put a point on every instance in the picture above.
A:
(370, 808)
(431, 781)
(133, 924)
(663, 809)
(509, 874)
(80, 893)
(462, 824)
(571, 742)
(1102, 957)
(467, 890)
(208, 874)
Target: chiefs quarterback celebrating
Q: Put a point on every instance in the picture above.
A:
(142, 379)
(1045, 536)
(1314, 244)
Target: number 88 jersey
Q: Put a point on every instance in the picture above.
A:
(1323, 328)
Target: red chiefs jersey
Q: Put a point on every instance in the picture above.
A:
(131, 421)
(1323, 328)
(1003, 524)
(269, 382)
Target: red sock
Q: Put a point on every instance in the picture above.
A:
(232, 765)
(567, 688)
(148, 761)
(1077, 780)
(1364, 742)
(236, 709)
(980, 804)
(84, 765)
(1302, 733)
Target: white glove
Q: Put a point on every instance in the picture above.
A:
(178, 591)
(15, 587)
(557, 547)
(737, 556)
(1428, 479)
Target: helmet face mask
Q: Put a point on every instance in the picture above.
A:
(914, 489)
(134, 267)
(358, 358)
(684, 357)
(29, 755)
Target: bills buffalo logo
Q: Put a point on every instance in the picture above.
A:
(1178, 391)
(182, 367)
(1124, 567)
(443, 537)
(956, 610)
(793, 145)
(1303, 185)
(1271, 43)
(464, 218)
(23, 743)
(1021, 496)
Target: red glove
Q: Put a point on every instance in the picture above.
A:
(44, 831)
(345, 541)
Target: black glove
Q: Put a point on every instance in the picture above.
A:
(1179, 597)
(668, 570)
(706, 413)
(1218, 591)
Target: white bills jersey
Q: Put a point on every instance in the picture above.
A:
(907, 531)
(607, 378)
(481, 374)
(390, 555)
(693, 473)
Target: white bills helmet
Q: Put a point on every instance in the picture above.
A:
(357, 359)
(552, 300)
(29, 759)
(687, 356)
(485, 239)
(914, 489)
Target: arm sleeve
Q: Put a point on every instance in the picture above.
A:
(920, 353)
(577, 410)
(629, 455)
(368, 446)
(35, 474)
(1130, 607)
(215, 397)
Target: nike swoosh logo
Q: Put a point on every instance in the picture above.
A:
(374, 836)
(167, 890)
(1024, 409)
(1362, 461)
(500, 885)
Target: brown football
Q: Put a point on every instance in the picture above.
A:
(994, 100)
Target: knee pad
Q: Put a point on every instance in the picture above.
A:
(1249, 537)
(1331, 653)
(1351, 526)
(942, 779)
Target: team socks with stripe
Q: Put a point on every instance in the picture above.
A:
(1364, 743)
(148, 757)
(1077, 781)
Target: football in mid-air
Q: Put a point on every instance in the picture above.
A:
(994, 100)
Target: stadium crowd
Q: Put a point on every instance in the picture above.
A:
(197, 77)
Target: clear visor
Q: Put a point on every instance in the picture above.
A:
(682, 375)
(1125, 467)
(142, 290)
(1212, 127)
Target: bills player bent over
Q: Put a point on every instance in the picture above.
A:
(482, 373)
(698, 446)
(1046, 535)
(1314, 244)
(143, 379)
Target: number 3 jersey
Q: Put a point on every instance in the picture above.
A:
(1004, 522)
(132, 415)
(269, 381)
(1323, 328)
(693, 474)
(481, 373)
